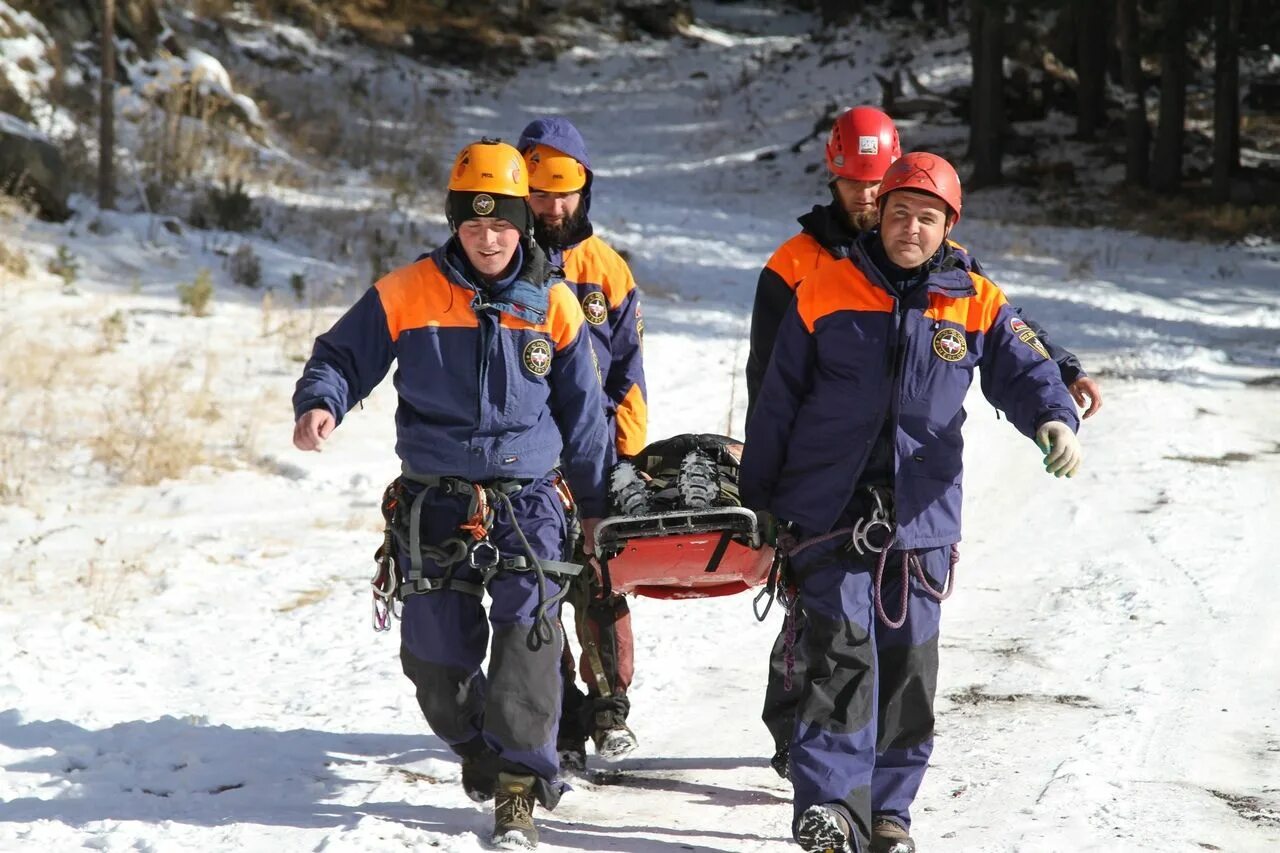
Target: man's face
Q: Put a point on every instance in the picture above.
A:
(489, 244)
(555, 215)
(858, 200)
(912, 227)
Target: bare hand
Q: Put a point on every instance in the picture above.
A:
(1087, 394)
(312, 429)
(589, 535)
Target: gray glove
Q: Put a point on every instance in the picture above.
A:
(1061, 447)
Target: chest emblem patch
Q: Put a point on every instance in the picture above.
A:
(594, 306)
(950, 345)
(537, 357)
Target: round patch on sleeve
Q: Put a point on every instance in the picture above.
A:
(537, 357)
(949, 344)
(595, 308)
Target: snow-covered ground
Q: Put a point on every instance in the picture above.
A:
(189, 664)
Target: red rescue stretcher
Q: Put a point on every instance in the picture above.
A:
(683, 553)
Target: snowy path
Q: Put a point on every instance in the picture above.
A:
(190, 667)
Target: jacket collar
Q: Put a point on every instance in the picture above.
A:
(525, 294)
(826, 224)
(945, 273)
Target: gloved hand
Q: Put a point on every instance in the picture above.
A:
(1061, 447)
(768, 526)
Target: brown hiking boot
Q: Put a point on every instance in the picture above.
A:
(889, 836)
(513, 803)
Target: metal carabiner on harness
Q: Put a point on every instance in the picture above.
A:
(862, 528)
(483, 555)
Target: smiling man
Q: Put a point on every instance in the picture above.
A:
(497, 385)
(856, 433)
(862, 145)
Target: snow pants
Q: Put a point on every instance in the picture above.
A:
(863, 730)
(512, 709)
(607, 622)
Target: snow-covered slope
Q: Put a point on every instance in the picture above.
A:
(189, 665)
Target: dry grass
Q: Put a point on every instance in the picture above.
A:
(143, 439)
(305, 599)
(1190, 217)
(13, 261)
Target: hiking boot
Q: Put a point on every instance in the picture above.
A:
(889, 836)
(781, 761)
(823, 829)
(513, 803)
(616, 743)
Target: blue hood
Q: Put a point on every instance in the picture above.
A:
(560, 134)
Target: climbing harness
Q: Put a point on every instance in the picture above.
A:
(489, 503)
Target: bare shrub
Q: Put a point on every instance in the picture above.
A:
(195, 296)
(245, 266)
(227, 207)
(114, 328)
(65, 266)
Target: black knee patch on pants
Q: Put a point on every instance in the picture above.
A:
(449, 710)
(908, 684)
(841, 672)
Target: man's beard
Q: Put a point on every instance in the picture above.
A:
(863, 220)
(558, 236)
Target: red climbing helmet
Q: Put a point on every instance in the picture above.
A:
(862, 145)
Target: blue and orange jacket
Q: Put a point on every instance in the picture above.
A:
(850, 355)
(824, 236)
(609, 297)
(494, 383)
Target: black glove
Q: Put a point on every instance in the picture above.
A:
(768, 527)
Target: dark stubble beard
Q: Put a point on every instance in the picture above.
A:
(558, 236)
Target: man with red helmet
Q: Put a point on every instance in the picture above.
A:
(862, 145)
(869, 494)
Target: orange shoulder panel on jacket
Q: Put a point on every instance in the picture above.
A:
(593, 261)
(564, 315)
(976, 313)
(838, 286)
(419, 295)
(796, 258)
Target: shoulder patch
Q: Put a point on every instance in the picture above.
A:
(537, 357)
(595, 308)
(1025, 334)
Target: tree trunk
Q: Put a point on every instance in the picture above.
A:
(106, 108)
(1166, 165)
(1226, 97)
(942, 13)
(1091, 17)
(835, 12)
(986, 126)
(1137, 130)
